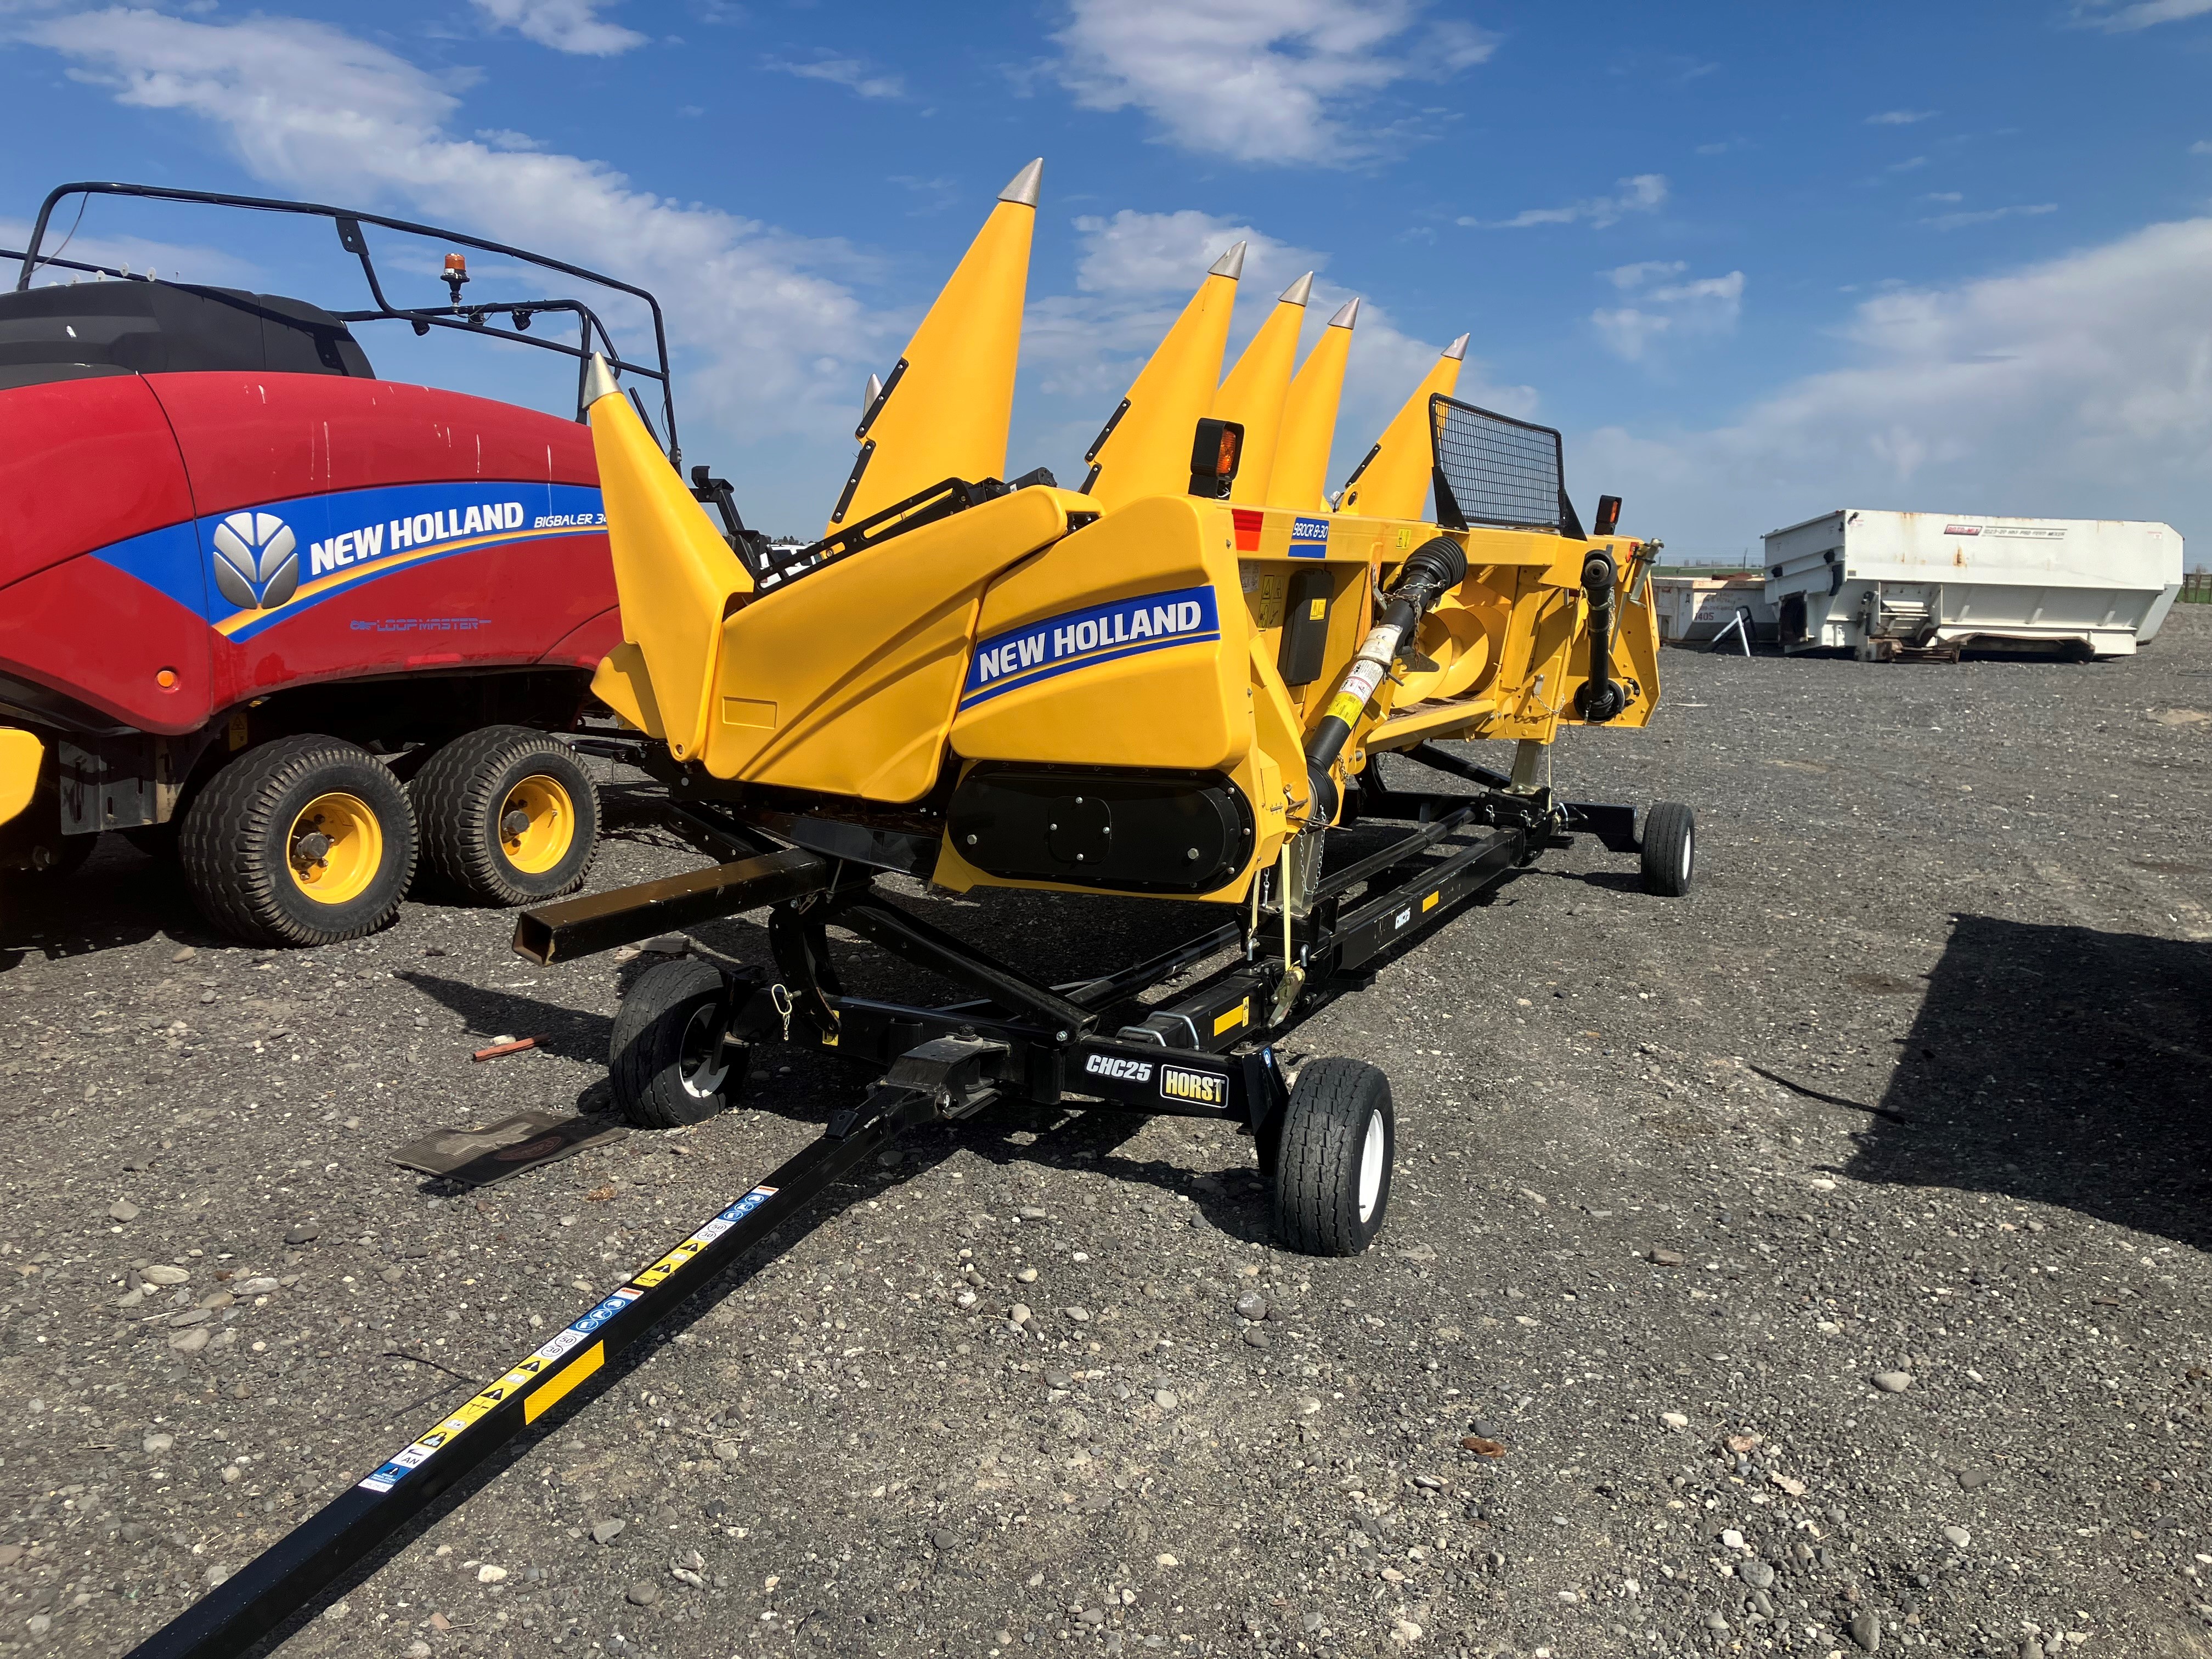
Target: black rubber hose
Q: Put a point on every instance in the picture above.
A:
(1431, 571)
(1599, 698)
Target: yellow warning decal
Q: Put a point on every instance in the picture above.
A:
(1430, 902)
(1316, 609)
(1347, 708)
(557, 1389)
(1235, 1017)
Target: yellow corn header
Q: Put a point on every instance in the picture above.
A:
(1193, 645)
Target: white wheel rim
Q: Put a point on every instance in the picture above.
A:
(702, 1066)
(1689, 849)
(1371, 1152)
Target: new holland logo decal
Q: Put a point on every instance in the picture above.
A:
(256, 560)
(1084, 639)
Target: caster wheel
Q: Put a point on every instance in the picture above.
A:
(1670, 849)
(669, 1061)
(1328, 1160)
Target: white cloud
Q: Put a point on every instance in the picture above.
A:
(1706, 305)
(2079, 386)
(1133, 274)
(1644, 194)
(1943, 196)
(2201, 147)
(755, 313)
(1260, 81)
(173, 261)
(2143, 14)
(1910, 164)
(1901, 117)
(1635, 276)
(573, 25)
(1989, 216)
(844, 72)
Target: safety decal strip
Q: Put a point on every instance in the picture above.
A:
(1084, 639)
(531, 1376)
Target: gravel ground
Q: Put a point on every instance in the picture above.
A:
(1820, 1262)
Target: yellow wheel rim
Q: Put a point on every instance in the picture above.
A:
(536, 824)
(335, 849)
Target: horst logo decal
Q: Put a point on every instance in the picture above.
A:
(1201, 1088)
(256, 560)
(1083, 639)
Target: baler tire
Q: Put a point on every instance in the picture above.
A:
(1670, 849)
(237, 849)
(465, 793)
(669, 1060)
(1330, 1183)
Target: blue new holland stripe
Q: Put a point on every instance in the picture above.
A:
(1084, 639)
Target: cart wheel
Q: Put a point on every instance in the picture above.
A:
(1670, 848)
(1331, 1179)
(509, 815)
(669, 1060)
(304, 840)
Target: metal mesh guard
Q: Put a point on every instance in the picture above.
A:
(1499, 470)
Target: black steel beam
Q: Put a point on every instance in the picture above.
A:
(599, 922)
(908, 936)
(287, 1575)
(1405, 913)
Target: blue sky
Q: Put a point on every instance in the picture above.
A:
(1755, 261)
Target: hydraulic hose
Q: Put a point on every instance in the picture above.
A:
(1599, 697)
(1429, 571)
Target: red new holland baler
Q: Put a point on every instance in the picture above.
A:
(295, 623)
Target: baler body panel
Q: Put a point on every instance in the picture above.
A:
(241, 533)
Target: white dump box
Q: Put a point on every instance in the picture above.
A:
(1694, 609)
(1890, 583)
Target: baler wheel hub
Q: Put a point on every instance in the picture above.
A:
(337, 848)
(537, 824)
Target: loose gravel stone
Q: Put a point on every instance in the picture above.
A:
(123, 1209)
(643, 1593)
(1866, 1630)
(161, 1273)
(1893, 1381)
(606, 1531)
(304, 1232)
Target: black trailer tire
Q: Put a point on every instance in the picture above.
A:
(1670, 849)
(509, 816)
(669, 1060)
(305, 840)
(1331, 1180)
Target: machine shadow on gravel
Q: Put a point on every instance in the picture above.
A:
(2062, 1066)
(119, 897)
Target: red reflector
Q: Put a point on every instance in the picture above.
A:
(1248, 520)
